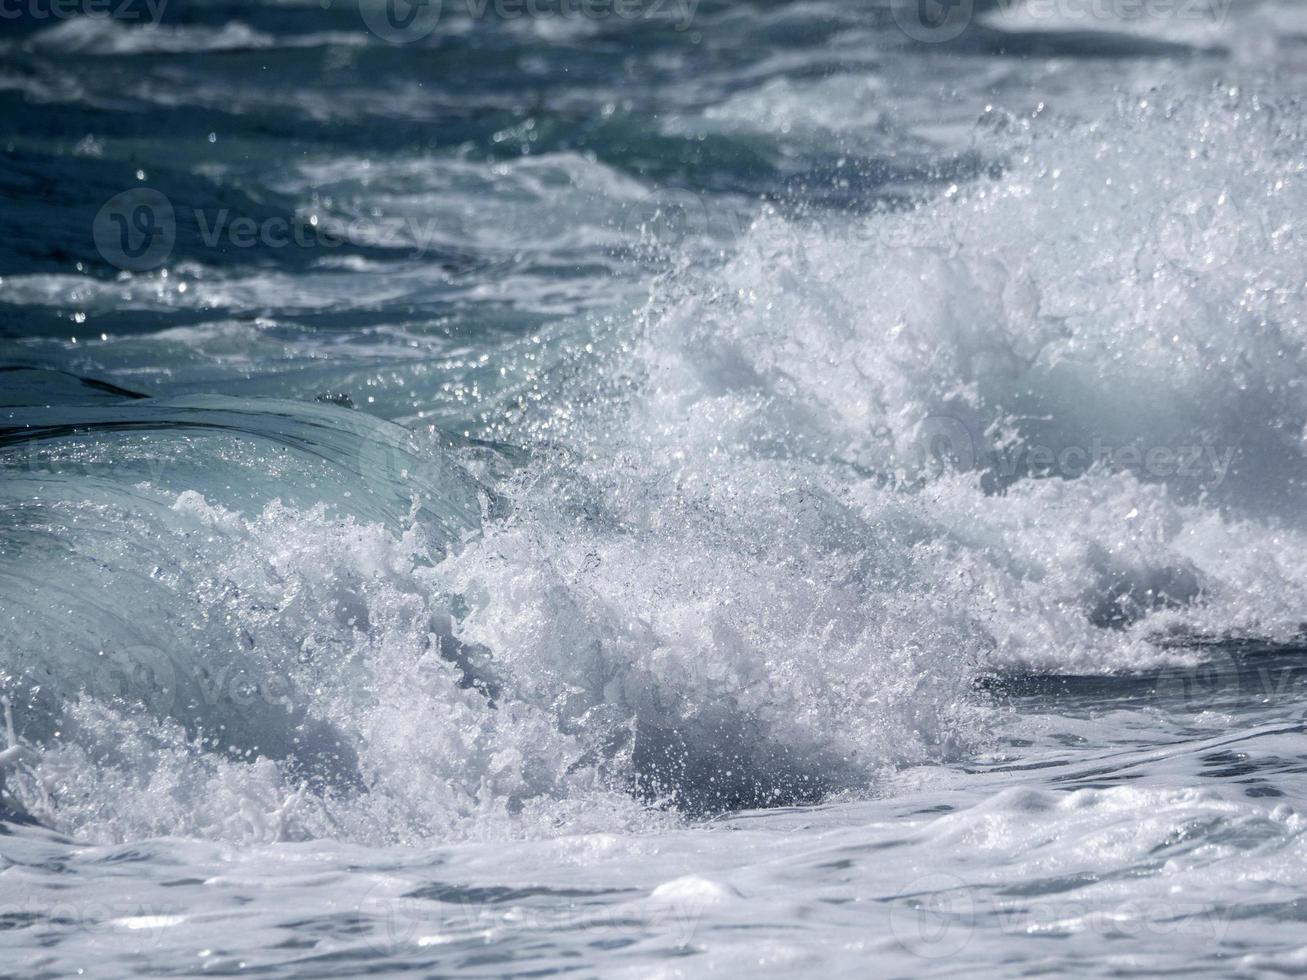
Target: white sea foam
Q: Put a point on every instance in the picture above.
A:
(749, 582)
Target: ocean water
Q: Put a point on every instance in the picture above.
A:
(653, 489)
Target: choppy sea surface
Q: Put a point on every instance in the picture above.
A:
(653, 489)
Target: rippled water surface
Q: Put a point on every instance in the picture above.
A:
(653, 489)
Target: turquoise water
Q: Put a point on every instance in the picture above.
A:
(656, 490)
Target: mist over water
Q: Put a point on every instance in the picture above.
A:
(653, 489)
